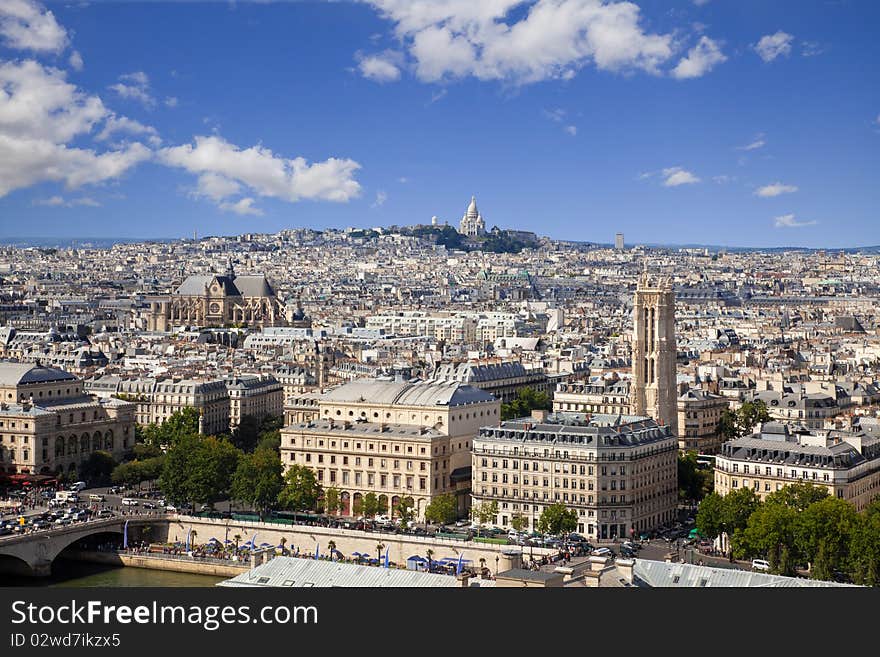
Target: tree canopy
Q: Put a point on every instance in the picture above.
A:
(526, 401)
(557, 519)
(257, 480)
(301, 489)
(442, 509)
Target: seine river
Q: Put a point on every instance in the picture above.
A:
(83, 574)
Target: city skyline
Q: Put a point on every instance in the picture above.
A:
(699, 123)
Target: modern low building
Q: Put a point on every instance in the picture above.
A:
(49, 425)
(393, 439)
(847, 463)
(699, 413)
(619, 473)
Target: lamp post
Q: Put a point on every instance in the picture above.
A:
(497, 558)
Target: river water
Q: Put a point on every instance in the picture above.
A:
(66, 573)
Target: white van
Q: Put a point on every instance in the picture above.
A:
(761, 565)
(78, 486)
(95, 497)
(129, 501)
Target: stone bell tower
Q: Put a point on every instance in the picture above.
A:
(654, 387)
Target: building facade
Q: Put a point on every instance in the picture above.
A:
(699, 413)
(49, 425)
(392, 438)
(256, 396)
(218, 300)
(618, 473)
(847, 463)
(654, 352)
(600, 395)
(503, 380)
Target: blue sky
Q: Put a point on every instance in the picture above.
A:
(746, 123)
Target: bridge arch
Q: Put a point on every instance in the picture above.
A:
(11, 564)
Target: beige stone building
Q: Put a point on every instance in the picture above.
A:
(393, 439)
(654, 389)
(847, 463)
(218, 300)
(602, 395)
(618, 473)
(158, 399)
(699, 413)
(49, 425)
(257, 396)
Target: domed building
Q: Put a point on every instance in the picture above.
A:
(472, 223)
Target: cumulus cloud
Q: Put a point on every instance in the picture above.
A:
(135, 86)
(121, 124)
(242, 206)
(40, 115)
(675, 176)
(224, 169)
(25, 25)
(812, 49)
(523, 41)
(60, 201)
(700, 59)
(571, 130)
(76, 61)
(789, 221)
(381, 197)
(381, 67)
(775, 189)
(771, 46)
(171, 101)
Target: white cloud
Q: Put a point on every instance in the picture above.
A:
(25, 25)
(776, 189)
(755, 144)
(403, 180)
(171, 101)
(382, 67)
(381, 197)
(76, 61)
(58, 201)
(543, 39)
(242, 206)
(700, 59)
(676, 176)
(216, 187)
(557, 114)
(260, 170)
(115, 124)
(771, 46)
(722, 179)
(571, 129)
(437, 95)
(789, 221)
(812, 49)
(135, 86)
(40, 114)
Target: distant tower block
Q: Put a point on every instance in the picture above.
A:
(654, 383)
(434, 220)
(618, 241)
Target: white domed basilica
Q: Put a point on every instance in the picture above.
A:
(472, 223)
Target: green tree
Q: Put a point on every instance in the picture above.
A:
(799, 495)
(751, 414)
(738, 506)
(247, 434)
(526, 401)
(694, 483)
(518, 521)
(864, 553)
(770, 531)
(257, 480)
(332, 502)
(728, 426)
(301, 489)
(557, 519)
(442, 509)
(98, 468)
(484, 514)
(198, 469)
(405, 510)
(711, 516)
(369, 505)
(825, 536)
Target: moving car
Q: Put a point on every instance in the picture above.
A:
(602, 552)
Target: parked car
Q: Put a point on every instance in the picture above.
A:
(602, 552)
(105, 513)
(382, 520)
(760, 565)
(149, 505)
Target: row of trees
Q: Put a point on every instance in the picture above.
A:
(798, 527)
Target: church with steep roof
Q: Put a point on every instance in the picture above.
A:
(217, 300)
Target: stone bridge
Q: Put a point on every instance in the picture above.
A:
(32, 554)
